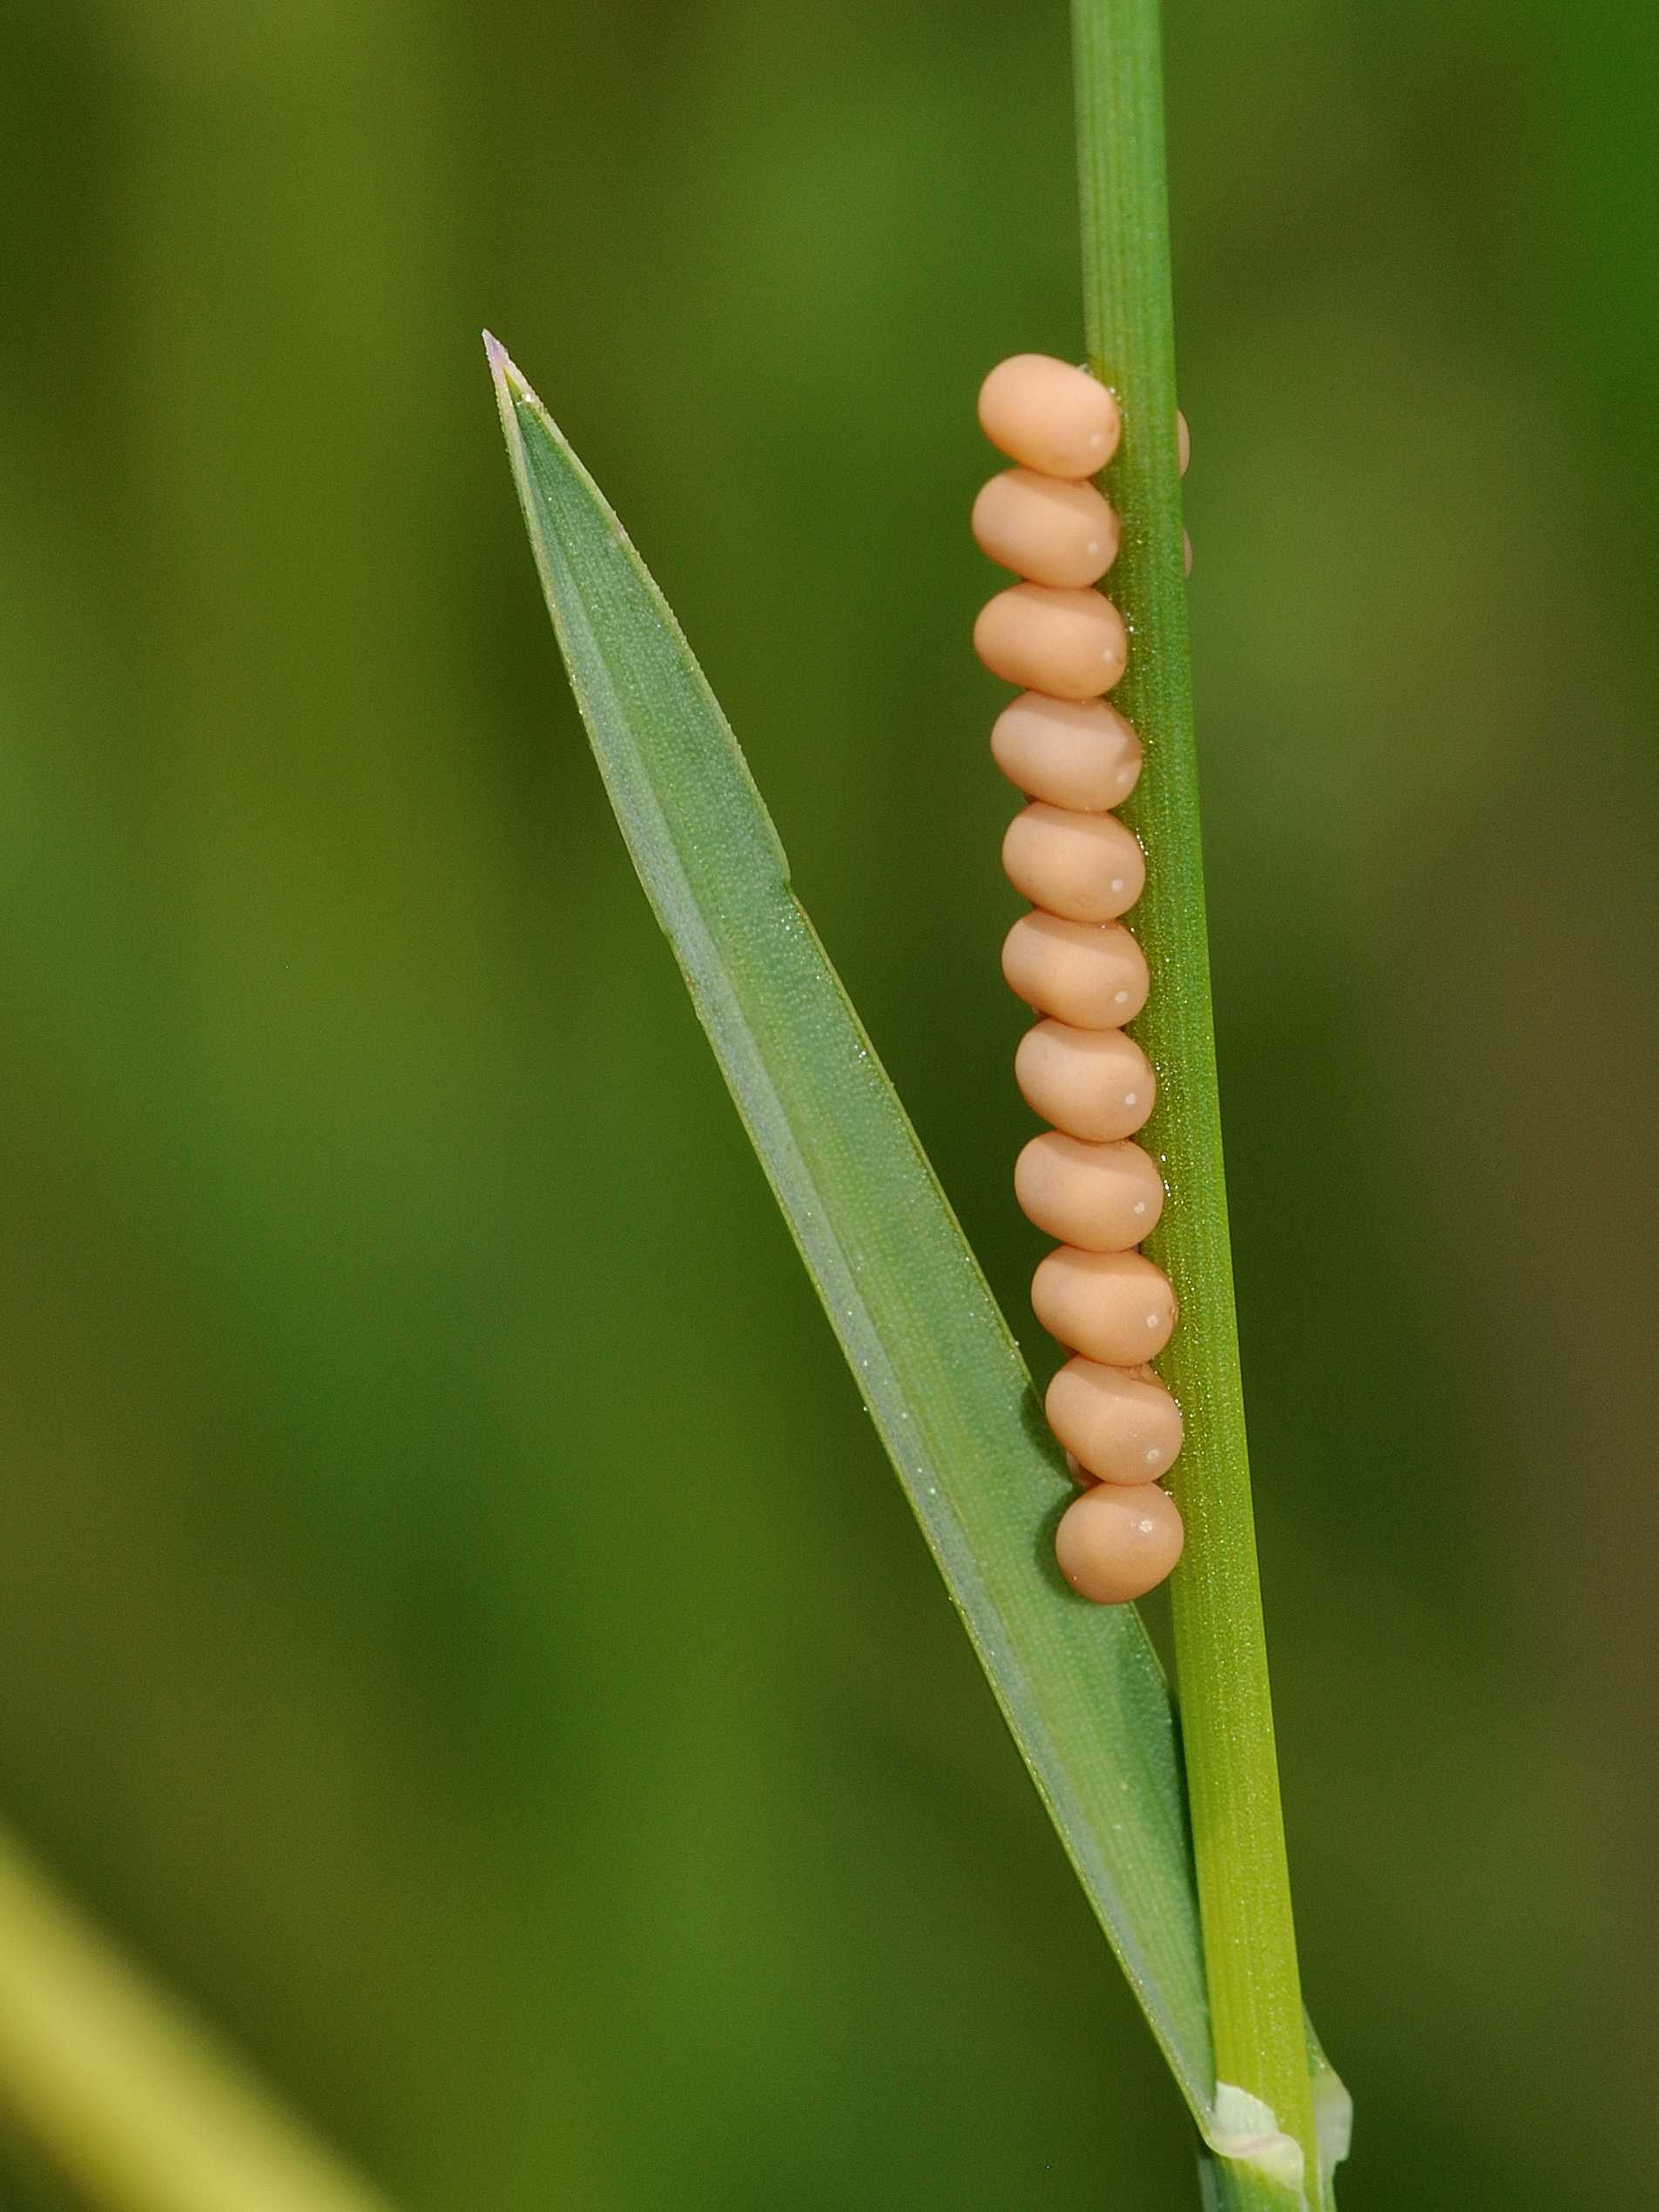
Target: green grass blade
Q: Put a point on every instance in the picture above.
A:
(1080, 1686)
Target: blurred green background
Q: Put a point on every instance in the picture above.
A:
(455, 1622)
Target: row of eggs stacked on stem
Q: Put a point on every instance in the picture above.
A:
(1084, 1181)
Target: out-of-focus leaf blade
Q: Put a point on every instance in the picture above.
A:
(130, 2099)
(1079, 1685)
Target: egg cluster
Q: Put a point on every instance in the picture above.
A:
(1084, 1181)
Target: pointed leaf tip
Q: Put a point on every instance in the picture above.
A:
(510, 378)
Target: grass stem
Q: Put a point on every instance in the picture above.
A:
(1221, 1657)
